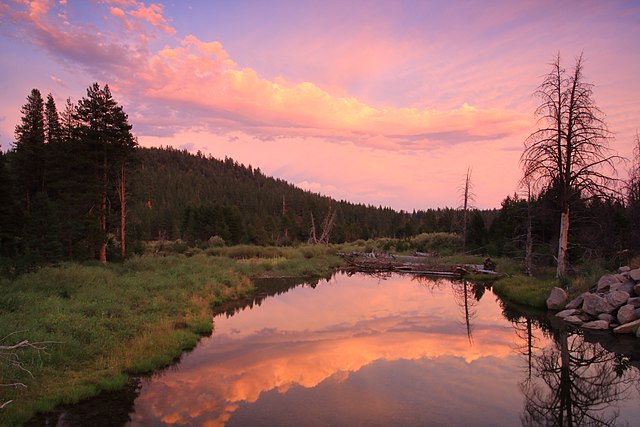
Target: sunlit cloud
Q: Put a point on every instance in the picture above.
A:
(201, 77)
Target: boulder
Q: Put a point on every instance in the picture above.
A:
(624, 269)
(636, 290)
(565, 313)
(594, 304)
(617, 298)
(608, 317)
(557, 299)
(626, 314)
(575, 320)
(596, 324)
(627, 328)
(605, 282)
(576, 302)
(634, 301)
(635, 274)
(627, 286)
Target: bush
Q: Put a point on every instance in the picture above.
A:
(216, 241)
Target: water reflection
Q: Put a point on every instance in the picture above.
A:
(576, 383)
(308, 339)
(388, 350)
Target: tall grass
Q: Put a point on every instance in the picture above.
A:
(102, 322)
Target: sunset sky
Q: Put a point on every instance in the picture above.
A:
(378, 102)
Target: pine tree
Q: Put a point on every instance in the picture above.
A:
(104, 127)
(52, 128)
(29, 148)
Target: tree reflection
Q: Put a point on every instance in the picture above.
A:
(575, 383)
(463, 295)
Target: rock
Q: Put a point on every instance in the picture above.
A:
(594, 304)
(576, 302)
(617, 298)
(596, 324)
(638, 333)
(627, 328)
(626, 314)
(557, 299)
(575, 320)
(638, 312)
(606, 316)
(605, 282)
(627, 286)
(624, 269)
(635, 274)
(634, 301)
(565, 313)
(636, 289)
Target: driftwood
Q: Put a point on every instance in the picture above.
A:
(421, 265)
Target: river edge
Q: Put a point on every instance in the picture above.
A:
(103, 324)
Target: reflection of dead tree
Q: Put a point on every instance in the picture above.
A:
(327, 226)
(462, 295)
(575, 384)
(10, 363)
(524, 330)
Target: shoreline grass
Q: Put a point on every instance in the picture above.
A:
(103, 323)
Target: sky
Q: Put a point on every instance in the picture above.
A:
(386, 103)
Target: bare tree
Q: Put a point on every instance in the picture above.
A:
(570, 151)
(467, 200)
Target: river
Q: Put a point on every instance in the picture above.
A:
(388, 351)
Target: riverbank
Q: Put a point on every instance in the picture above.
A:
(101, 323)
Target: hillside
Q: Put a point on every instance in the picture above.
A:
(176, 194)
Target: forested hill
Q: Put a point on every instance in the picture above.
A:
(175, 194)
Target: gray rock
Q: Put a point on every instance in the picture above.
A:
(596, 324)
(617, 298)
(626, 314)
(624, 269)
(565, 313)
(557, 299)
(594, 304)
(575, 320)
(606, 281)
(635, 274)
(608, 317)
(576, 302)
(627, 328)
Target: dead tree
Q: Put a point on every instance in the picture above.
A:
(569, 152)
(327, 227)
(9, 357)
(467, 200)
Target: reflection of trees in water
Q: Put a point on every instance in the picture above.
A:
(466, 296)
(575, 383)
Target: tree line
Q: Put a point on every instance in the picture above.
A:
(64, 181)
(75, 186)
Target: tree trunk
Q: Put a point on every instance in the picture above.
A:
(123, 211)
(563, 243)
(528, 253)
(102, 254)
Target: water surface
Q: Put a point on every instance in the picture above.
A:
(362, 350)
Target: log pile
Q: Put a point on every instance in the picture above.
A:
(421, 264)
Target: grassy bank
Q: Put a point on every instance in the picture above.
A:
(101, 323)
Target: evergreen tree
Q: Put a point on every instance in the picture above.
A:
(104, 127)
(29, 148)
(52, 128)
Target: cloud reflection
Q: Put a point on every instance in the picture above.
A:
(303, 347)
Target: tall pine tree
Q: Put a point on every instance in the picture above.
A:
(104, 127)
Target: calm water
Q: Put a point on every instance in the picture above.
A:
(361, 350)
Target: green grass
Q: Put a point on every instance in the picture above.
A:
(525, 290)
(102, 323)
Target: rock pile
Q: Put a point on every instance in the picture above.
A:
(613, 303)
